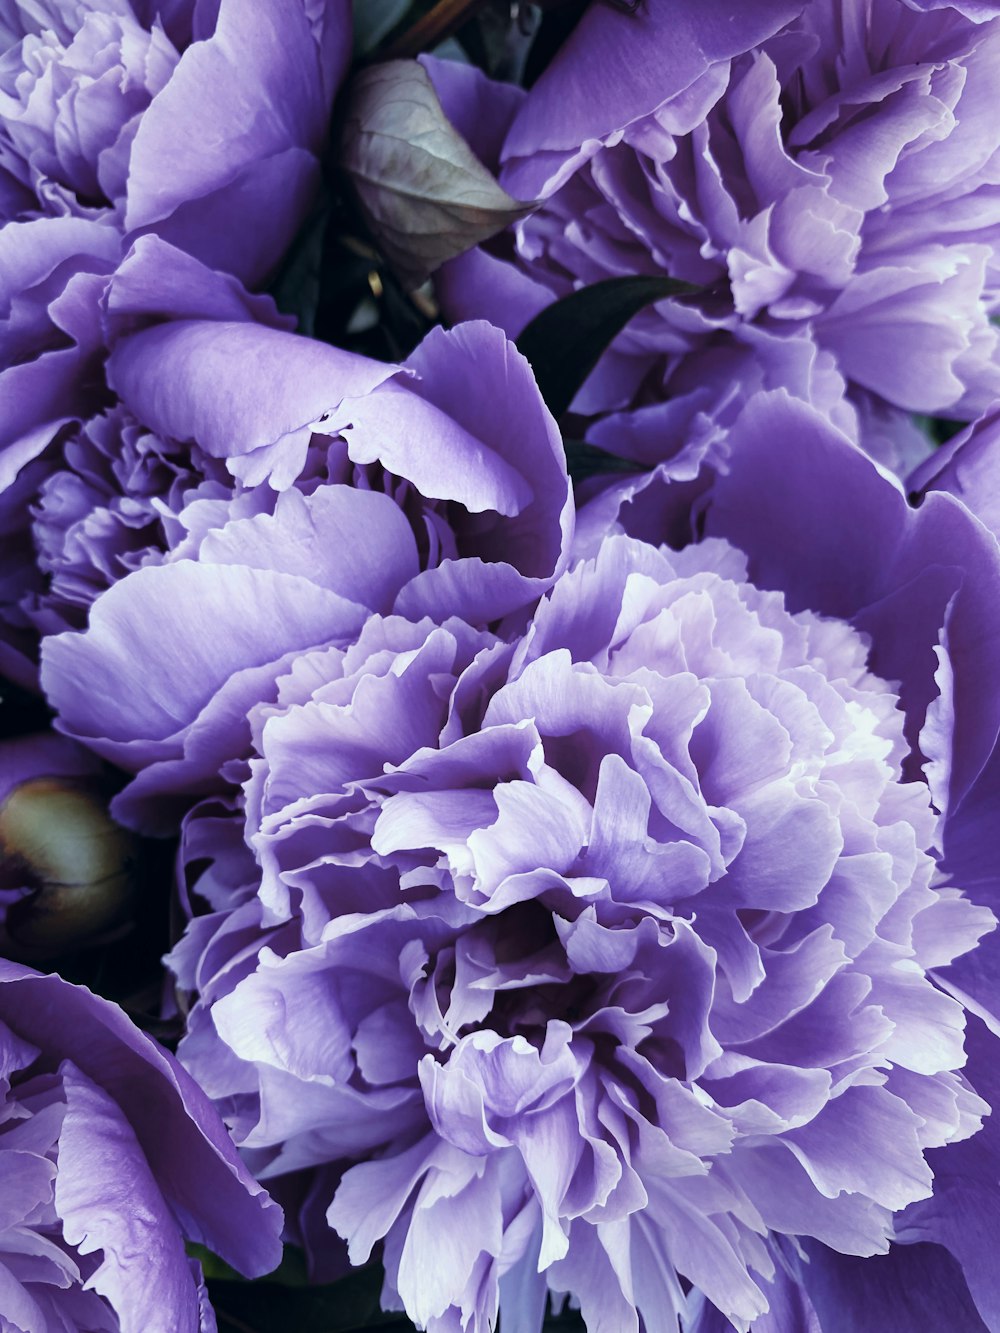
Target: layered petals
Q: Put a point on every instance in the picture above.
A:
(358, 488)
(826, 176)
(109, 1151)
(599, 957)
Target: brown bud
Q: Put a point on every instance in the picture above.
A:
(74, 856)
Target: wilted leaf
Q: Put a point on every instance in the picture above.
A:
(566, 340)
(424, 193)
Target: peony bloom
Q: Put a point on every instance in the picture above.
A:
(851, 541)
(181, 120)
(609, 958)
(109, 1152)
(111, 507)
(197, 123)
(87, 492)
(967, 468)
(827, 174)
(354, 488)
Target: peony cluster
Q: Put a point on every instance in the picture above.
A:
(162, 127)
(583, 899)
(400, 489)
(601, 947)
(826, 175)
(616, 941)
(121, 119)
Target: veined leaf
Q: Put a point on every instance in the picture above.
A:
(423, 192)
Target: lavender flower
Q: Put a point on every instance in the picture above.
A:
(88, 492)
(108, 1152)
(604, 959)
(355, 487)
(943, 566)
(126, 122)
(826, 173)
(110, 508)
(181, 120)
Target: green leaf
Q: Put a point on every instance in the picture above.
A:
(565, 341)
(586, 460)
(211, 1265)
(375, 19)
(939, 430)
(291, 1272)
(339, 1307)
(570, 1321)
(350, 1305)
(296, 288)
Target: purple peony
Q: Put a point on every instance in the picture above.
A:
(966, 467)
(611, 957)
(335, 487)
(89, 492)
(197, 124)
(827, 174)
(849, 540)
(111, 1158)
(110, 508)
(181, 119)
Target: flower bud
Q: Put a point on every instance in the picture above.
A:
(68, 863)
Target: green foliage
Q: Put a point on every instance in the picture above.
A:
(272, 1307)
(566, 340)
(283, 1302)
(586, 460)
(374, 20)
(939, 430)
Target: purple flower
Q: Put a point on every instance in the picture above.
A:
(181, 120)
(86, 491)
(827, 174)
(197, 124)
(54, 272)
(99, 504)
(354, 488)
(109, 1151)
(845, 542)
(966, 467)
(604, 959)
(110, 508)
